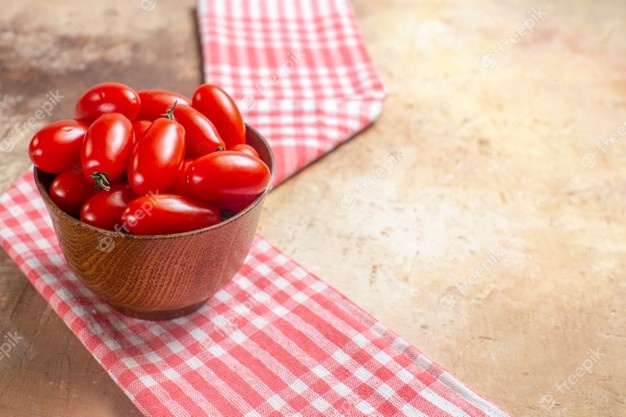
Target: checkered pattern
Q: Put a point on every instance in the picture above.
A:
(298, 69)
(276, 341)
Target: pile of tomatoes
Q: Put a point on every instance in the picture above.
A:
(152, 161)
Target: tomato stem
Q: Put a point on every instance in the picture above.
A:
(170, 112)
(102, 180)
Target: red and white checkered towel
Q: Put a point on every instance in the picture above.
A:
(298, 69)
(276, 341)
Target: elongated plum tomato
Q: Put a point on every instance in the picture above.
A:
(155, 103)
(140, 127)
(107, 148)
(180, 185)
(201, 137)
(104, 209)
(245, 148)
(157, 157)
(56, 147)
(229, 179)
(108, 98)
(168, 213)
(70, 190)
(222, 111)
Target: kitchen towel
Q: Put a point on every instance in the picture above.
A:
(298, 69)
(276, 341)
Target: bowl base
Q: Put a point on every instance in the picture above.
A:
(157, 314)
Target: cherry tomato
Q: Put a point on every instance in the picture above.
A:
(180, 185)
(242, 147)
(104, 209)
(222, 111)
(156, 159)
(200, 135)
(140, 127)
(155, 103)
(107, 148)
(230, 179)
(56, 147)
(167, 213)
(70, 190)
(108, 98)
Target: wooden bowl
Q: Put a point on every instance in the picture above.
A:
(157, 277)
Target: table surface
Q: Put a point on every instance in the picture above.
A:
(493, 242)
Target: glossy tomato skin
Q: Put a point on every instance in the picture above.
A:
(180, 185)
(108, 98)
(155, 103)
(222, 111)
(201, 137)
(229, 179)
(140, 127)
(104, 209)
(107, 146)
(56, 147)
(70, 190)
(157, 157)
(168, 213)
(245, 148)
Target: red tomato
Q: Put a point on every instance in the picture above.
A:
(167, 213)
(140, 127)
(201, 137)
(180, 185)
(70, 190)
(230, 179)
(244, 148)
(222, 111)
(156, 159)
(155, 103)
(108, 98)
(107, 148)
(56, 147)
(104, 209)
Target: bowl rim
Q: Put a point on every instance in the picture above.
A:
(45, 195)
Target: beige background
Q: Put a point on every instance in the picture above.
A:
(496, 242)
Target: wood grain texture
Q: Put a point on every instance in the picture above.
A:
(492, 241)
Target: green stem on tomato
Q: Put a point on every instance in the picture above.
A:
(170, 112)
(101, 180)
